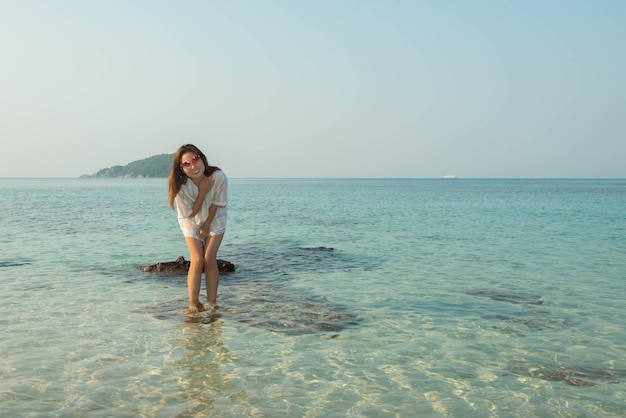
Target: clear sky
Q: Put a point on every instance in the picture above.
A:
(324, 88)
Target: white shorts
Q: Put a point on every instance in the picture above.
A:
(217, 227)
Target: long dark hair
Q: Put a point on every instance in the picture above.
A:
(178, 177)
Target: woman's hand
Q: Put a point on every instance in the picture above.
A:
(205, 185)
(203, 232)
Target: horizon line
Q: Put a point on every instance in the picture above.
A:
(324, 178)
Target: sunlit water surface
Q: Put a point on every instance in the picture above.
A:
(352, 298)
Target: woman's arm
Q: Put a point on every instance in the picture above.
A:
(220, 198)
(203, 232)
(204, 187)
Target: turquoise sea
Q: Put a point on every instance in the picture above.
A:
(351, 298)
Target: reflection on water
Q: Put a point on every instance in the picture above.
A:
(206, 355)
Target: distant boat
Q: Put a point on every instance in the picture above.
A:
(450, 176)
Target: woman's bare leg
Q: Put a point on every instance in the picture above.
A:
(210, 268)
(194, 275)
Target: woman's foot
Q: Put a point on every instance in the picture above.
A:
(209, 306)
(195, 307)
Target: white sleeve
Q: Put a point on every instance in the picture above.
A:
(183, 206)
(220, 196)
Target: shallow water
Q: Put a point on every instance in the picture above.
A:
(373, 298)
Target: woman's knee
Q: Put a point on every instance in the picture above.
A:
(210, 264)
(196, 263)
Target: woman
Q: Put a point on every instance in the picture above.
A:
(200, 193)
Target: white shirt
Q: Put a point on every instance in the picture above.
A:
(218, 196)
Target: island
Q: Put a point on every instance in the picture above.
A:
(157, 166)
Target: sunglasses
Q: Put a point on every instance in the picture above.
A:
(187, 164)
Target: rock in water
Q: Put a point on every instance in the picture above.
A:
(181, 266)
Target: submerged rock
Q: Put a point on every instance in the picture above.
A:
(506, 296)
(575, 376)
(261, 296)
(14, 263)
(534, 322)
(266, 305)
(279, 308)
(181, 266)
